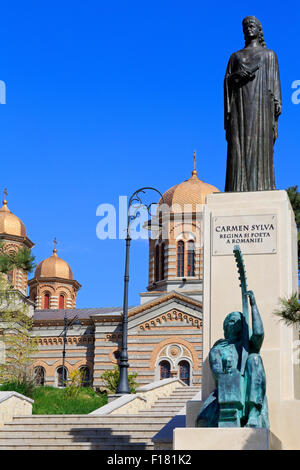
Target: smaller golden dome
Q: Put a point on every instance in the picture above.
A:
(54, 266)
(192, 191)
(10, 224)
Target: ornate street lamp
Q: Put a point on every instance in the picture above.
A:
(67, 324)
(135, 199)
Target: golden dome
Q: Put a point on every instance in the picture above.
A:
(10, 224)
(192, 191)
(54, 267)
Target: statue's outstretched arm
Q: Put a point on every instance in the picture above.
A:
(257, 336)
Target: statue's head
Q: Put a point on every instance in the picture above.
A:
(233, 326)
(253, 30)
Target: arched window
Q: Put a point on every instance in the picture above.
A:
(85, 377)
(165, 370)
(61, 303)
(180, 258)
(61, 380)
(156, 275)
(184, 372)
(39, 376)
(46, 301)
(191, 259)
(162, 261)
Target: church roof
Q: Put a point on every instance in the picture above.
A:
(192, 191)
(82, 313)
(10, 224)
(88, 315)
(173, 295)
(54, 266)
(111, 312)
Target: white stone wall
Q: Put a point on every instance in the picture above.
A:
(13, 404)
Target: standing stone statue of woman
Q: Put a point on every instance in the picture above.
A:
(252, 105)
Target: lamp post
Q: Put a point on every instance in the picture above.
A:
(67, 325)
(123, 385)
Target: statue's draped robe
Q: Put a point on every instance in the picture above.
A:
(254, 383)
(250, 121)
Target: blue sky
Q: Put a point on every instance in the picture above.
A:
(106, 97)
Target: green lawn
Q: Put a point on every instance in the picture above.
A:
(51, 400)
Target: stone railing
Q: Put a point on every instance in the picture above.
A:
(160, 389)
(13, 404)
(142, 400)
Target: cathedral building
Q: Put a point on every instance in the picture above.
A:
(164, 331)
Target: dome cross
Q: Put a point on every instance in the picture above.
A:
(55, 243)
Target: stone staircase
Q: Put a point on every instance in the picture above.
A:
(88, 432)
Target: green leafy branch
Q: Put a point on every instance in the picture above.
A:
(110, 379)
(294, 196)
(289, 311)
(21, 259)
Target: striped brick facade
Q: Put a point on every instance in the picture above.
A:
(168, 329)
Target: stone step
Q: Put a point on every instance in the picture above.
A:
(189, 388)
(172, 411)
(174, 400)
(189, 394)
(181, 397)
(156, 414)
(79, 446)
(69, 439)
(186, 389)
(162, 404)
(169, 403)
(166, 407)
(77, 433)
(107, 419)
(153, 426)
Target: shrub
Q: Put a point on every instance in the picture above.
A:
(25, 387)
(74, 384)
(110, 379)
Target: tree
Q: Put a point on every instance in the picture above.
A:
(19, 344)
(294, 196)
(289, 309)
(21, 259)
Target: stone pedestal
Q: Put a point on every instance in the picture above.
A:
(263, 225)
(224, 439)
